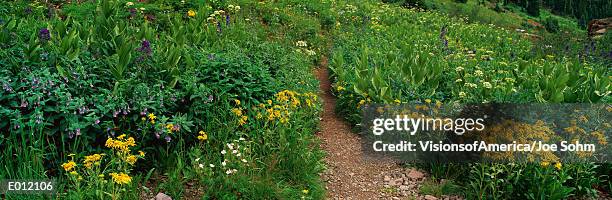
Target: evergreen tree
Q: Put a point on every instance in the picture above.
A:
(533, 7)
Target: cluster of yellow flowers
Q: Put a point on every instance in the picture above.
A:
(288, 96)
(92, 160)
(286, 100)
(91, 163)
(363, 102)
(242, 119)
(339, 88)
(310, 98)
(558, 165)
(121, 144)
(278, 112)
(170, 127)
(191, 13)
(202, 136)
(521, 132)
(121, 178)
(152, 118)
(69, 166)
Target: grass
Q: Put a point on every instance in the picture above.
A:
(438, 189)
(477, 13)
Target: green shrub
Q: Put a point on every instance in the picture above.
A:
(415, 4)
(552, 25)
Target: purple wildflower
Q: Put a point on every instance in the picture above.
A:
(44, 34)
(219, 29)
(145, 47)
(168, 138)
(78, 131)
(144, 112)
(227, 19)
(132, 12)
(97, 121)
(150, 17)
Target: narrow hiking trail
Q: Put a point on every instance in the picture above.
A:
(349, 175)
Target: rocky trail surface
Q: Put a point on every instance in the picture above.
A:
(349, 175)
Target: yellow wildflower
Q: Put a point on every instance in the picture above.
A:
(361, 103)
(243, 120)
(131, 159)
(169, 127)
(427, 100)
(202, 136)
(237, 102)
(191, 13)
(91, 159)
(69, 166)
(558, 166)
(237, 111)
(121, 178)
(544, 164)
(120, 144)
(141, 153)
(152, 116)
(309, 102)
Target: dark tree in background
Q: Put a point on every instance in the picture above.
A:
(583, 10)
(533, 7)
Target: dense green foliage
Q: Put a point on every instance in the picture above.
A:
(184, 80)
(394, 58)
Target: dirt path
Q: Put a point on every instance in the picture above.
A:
(349, 176)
